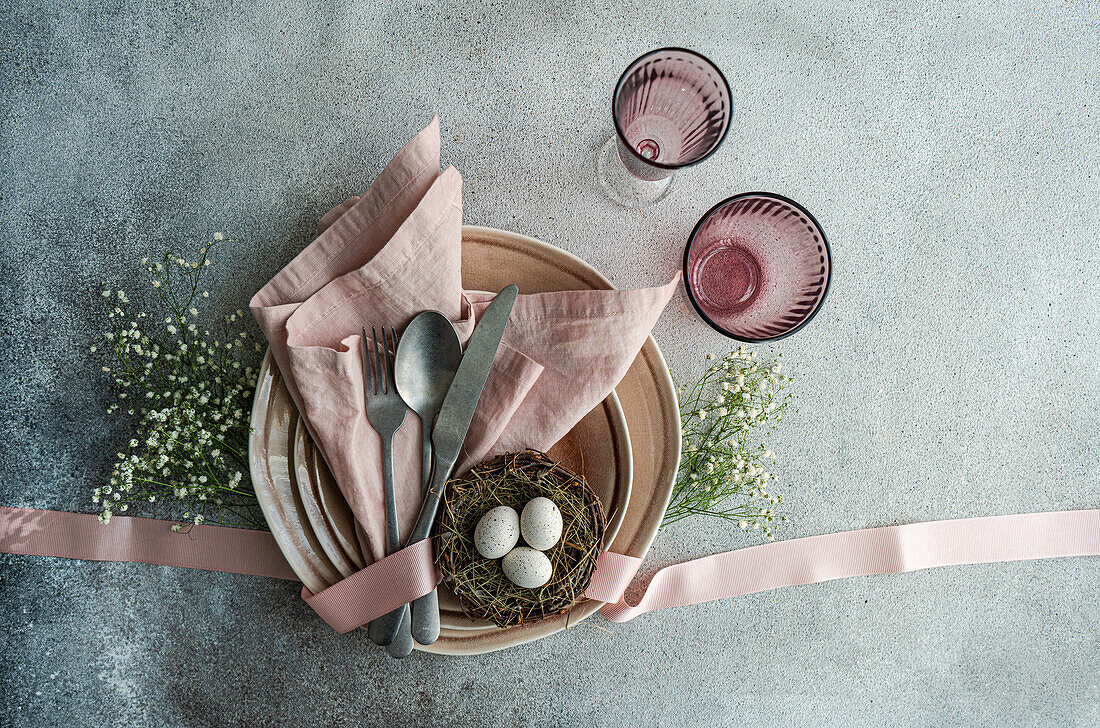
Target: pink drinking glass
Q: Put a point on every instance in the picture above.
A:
(672, 108)
(757, 267)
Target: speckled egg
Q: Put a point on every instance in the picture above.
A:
(497, 532)
(540, 523)
(527, 567)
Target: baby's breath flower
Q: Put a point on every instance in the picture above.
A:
(722, 471)
(192, 424)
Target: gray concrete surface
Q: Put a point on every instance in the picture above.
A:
(951, 152)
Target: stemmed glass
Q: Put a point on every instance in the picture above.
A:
(672, 109)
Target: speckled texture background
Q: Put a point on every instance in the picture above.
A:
(952, 154)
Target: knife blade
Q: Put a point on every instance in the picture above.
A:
(451, 425)
(457, 411)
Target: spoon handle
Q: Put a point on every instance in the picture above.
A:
(425, 455)
(402, 645)
(425, 611)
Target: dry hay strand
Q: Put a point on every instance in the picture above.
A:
(512, 480)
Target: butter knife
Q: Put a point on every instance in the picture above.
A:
(450, 432)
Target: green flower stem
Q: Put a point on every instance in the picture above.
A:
(187, 394)
(723, 474)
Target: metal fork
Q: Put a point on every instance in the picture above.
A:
(386, 412)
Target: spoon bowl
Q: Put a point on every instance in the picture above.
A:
(427, 358)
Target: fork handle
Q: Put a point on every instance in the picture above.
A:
(384, 630)
(393, 532)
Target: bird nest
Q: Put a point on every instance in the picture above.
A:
(512, 480)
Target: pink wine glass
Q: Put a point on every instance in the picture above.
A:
(672, 109)
(757, 267)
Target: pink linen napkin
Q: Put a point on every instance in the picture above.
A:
(382, 258)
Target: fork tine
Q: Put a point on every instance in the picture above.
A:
(376, 378)
(367, 370)
(391, 387)
(383, 376)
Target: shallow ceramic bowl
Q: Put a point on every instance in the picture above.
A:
(646, 402)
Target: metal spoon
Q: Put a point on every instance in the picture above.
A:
(427, 357)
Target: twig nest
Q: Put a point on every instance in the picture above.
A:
(540, 523)
(497, 532)
(527, 567)
(527, 584)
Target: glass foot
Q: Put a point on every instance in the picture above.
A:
(623, 187)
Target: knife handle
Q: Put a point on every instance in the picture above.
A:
(425, 618)
(425, 610)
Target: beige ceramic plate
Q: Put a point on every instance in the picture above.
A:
(274, 418)
(598, 446)
(326, 510)
(492, 259)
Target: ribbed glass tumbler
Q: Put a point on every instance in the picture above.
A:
(672, 109)
(757, 267)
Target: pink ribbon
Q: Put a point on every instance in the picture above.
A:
(885, 550)
(378, 589)
(410, 573)
(145, 540)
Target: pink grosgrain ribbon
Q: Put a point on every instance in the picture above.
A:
(409, 573)
(145, 540)
(884, 550)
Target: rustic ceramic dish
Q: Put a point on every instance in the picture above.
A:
(274, 418)
(325, 507)
(598, 445)
(646, 399)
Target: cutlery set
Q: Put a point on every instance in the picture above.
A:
(430, 374)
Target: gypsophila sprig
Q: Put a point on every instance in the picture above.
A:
(186, 389)
(725, 471)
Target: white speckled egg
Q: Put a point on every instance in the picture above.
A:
(497, 532)
(527, 567)
(540, 523)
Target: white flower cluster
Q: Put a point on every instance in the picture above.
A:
(724, 472)
(187, 391)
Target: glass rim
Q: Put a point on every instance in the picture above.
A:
(615, 105)
(691, 241)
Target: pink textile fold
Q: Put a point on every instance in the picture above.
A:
(380, 259)
(378, 589)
